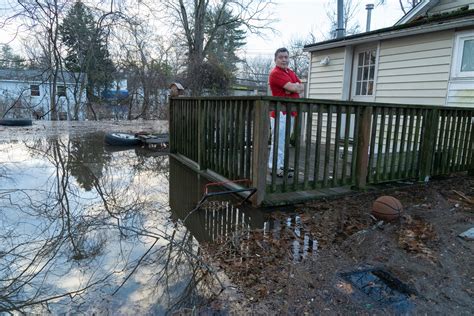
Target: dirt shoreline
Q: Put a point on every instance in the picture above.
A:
(421, 249)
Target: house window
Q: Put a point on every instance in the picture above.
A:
(34, 90)
(463, 62)
(61, 91)
(365, 72)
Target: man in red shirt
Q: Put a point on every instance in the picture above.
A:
(283, 83)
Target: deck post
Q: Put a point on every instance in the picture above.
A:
(260, 150)
(363, 141)
(172, 128)
(428, 139)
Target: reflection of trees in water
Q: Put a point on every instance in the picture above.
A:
(87, 159)
(113, 235)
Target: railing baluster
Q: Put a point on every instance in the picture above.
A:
(286, 161)
(347, 129)
(275, 137)
(317, 155)
(409, 153)
(309, 127)
(455, 142)
(335, 177)
(470, 162)
(297, 131)
(209, 133)
(464, 123)
(242, 140)
(452, 131)
(233, 133)
(388, 156)
(403, 151)
(327, 152)
(395, 153)
(444, 160)
(249, 140)
(416, 145)
(439, 142)
(226, 139)
(379, 167)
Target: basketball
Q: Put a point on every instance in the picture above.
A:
(387, 208)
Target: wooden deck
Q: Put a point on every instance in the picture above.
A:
(339, 145)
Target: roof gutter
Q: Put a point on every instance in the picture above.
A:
(441, 26)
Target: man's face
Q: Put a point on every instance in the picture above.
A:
(281, 60)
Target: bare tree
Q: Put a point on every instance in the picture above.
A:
(406, 5)
(190, 18)
(299, 60)
(43, 18)
(144, 62)
(257, 68)
(351, 26)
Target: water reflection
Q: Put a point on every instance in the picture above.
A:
(219, 218)
(91, 229)
(87, 230)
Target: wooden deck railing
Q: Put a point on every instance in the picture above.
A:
(334, 143)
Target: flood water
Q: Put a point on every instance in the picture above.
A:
(86, 228)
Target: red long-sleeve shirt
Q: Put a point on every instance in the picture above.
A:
(280, 77)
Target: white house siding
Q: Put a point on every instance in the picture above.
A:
(13, 91)
(326, 81)
(450, 5)
(461, 93)
(415, 69)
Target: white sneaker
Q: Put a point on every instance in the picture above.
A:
(280, 172)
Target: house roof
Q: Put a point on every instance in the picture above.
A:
(459, 18)
(178, 85)
(37, 75)
(418, 10)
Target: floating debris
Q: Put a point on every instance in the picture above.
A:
(468, 234)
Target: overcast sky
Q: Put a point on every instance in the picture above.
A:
(297, 18)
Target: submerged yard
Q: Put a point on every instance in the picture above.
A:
(87, 228)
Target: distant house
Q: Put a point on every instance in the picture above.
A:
(29, 92)
(425, 58)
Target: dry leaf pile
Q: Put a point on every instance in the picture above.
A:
(414, 235)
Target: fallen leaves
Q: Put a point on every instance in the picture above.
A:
(413, 236)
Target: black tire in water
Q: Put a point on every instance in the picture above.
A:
(16, 122)
(121, 139)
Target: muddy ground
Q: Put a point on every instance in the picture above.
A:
(421, 249)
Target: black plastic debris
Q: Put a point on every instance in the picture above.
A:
(382, 288)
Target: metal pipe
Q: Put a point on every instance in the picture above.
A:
(340, 19)
(369, 7)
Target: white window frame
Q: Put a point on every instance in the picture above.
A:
(461, 37)
(355, 64)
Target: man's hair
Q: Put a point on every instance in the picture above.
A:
(281, 50)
